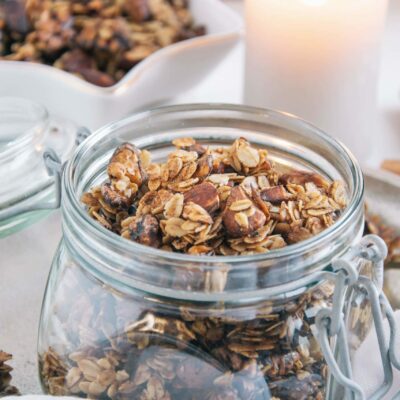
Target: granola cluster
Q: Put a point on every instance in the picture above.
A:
(98, 40)
(103, 344)
(212, 201)
(6, 389)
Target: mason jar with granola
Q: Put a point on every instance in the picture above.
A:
(198, 260)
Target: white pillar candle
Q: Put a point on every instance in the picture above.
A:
(317, 59)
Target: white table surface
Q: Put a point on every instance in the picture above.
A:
(25, 257)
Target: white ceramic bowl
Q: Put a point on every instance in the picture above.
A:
(166, 73)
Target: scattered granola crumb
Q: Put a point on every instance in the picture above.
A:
(6, 389)
(374, 224)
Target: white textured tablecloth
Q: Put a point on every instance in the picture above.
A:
(25, 260)
(25, 257)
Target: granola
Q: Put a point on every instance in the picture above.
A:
(98, 40)
(105, 344)
(200, 200)
(212, 201)
(374, 224)
(6, 389)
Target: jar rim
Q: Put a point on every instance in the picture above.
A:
(120, 243)
(27, 130)
(34, 134)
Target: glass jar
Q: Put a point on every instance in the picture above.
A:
(26, 187)
(121, 320)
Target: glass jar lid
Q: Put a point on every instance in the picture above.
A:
(27, 131)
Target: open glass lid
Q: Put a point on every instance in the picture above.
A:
(33, 146)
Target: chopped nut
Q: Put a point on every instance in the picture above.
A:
(145, 230)
(298, 235)
(204, 166)
(205, 195)
(113, 197)
(237, 226)
(275, 194)
(302, 177)
(138, 10)
(198, 148)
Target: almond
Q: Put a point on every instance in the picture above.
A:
(237, 224)
(205, 195)
(146, 230)
(204, 166)
(302, 177)
(198, 148)
(275, 194)
(114, 198)
(298, 235)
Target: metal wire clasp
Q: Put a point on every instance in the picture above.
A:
(331, 324)
(82, 134)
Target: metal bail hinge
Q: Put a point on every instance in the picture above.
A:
(82, 134)
(331, 324)
(52, 162)
(54, 168)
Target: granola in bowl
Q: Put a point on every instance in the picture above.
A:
(97, 40)
(212, 200)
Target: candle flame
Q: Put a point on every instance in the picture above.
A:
(315, 3)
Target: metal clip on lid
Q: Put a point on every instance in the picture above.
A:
(330, 322)
(54, 168)
(82, 134)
